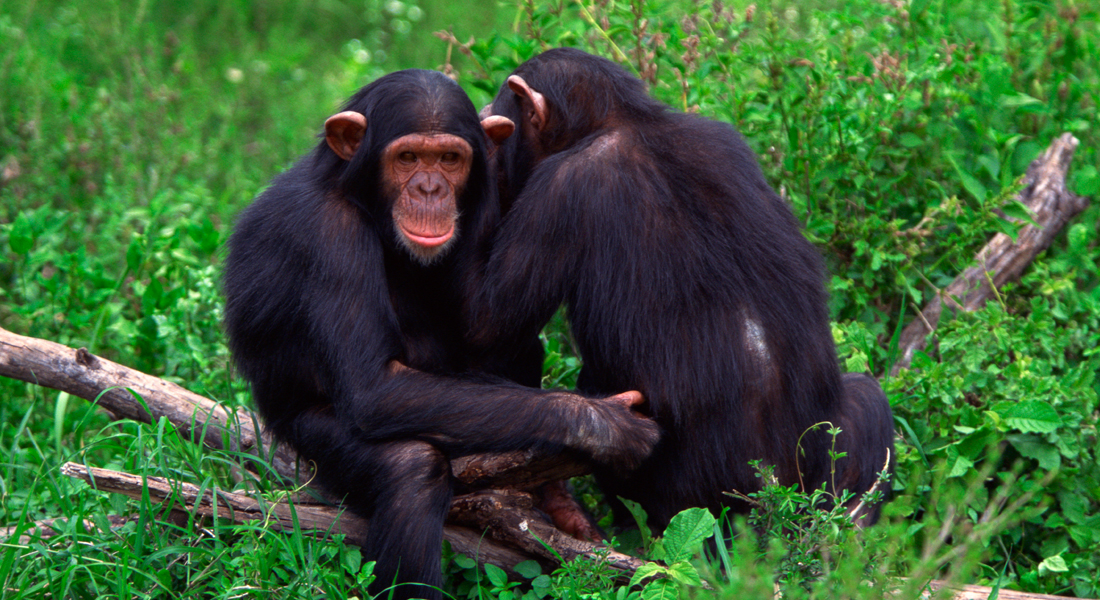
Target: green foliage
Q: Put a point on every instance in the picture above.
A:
(132, 132)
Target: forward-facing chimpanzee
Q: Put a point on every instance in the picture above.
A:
(342, 312)
(685, 276)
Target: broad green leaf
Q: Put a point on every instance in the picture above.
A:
(960, 467)
(1033, 447)
(1087, 180)
(1033, 416)
(686, 531)
(970, 183)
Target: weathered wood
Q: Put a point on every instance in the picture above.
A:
(510, 517)
(48, 528)
(106, 384)
(1002, 260)
(470, 517)
(981, 592)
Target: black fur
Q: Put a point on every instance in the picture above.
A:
(686, 277)
(320, 298)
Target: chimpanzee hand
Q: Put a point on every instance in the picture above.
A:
(613, 433)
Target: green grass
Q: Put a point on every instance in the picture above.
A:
(132, 133)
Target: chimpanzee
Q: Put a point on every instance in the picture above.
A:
(685, 277)
(343, 311)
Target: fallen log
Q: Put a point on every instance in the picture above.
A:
(980, 592)
(1002, 260)
(301, 512)
(109, 384)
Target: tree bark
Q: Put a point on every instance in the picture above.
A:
(1051, 206)
(108, 384)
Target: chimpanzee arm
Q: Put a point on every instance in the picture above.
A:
(356, 338)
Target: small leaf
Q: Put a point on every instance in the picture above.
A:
(134, 254)
(496, 575)
(662, 589)
(639, 515)
(646, 570)
(910, 140)
(1019, 100)
(21, 237)
(1019, 211)
(684, 573)
(528, 569)
(1053, 564)
(464, 562)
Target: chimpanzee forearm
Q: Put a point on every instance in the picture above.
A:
(464, 417)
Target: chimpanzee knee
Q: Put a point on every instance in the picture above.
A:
(867, 438)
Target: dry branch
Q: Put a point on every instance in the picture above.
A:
(320, 520)
(1001, 260)
(981, 592)
(105, 383)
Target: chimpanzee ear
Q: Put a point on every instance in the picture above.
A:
(344, 131)
(534, 104)
(498, 128)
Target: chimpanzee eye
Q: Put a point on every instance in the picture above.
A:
(406, 157)
(449, 158)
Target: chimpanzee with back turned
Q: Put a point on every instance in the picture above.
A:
(342, 312)
(685, 277)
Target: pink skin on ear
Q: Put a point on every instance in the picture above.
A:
(628, 399)
(498, 128)
(534, 103)
(344, 131)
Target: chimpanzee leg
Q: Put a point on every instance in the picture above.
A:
(402, 488)
(412, 495)
(867, 436)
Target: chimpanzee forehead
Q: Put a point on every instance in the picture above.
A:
(437, 143)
